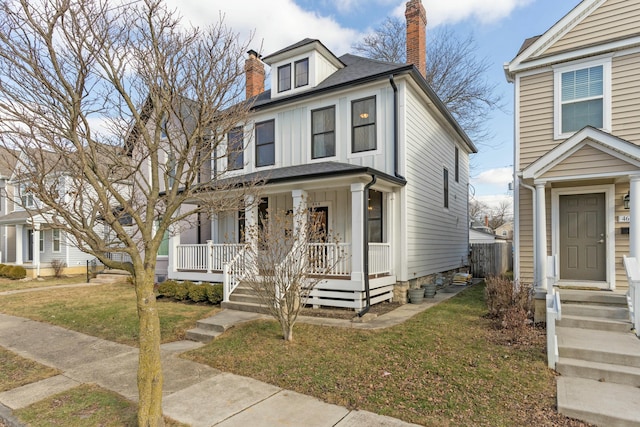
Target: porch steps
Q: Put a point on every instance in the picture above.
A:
(244, 299)
(599, 359)
(208, 329)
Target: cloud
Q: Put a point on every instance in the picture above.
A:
(274, 24)
(451, 12)
(498, 176)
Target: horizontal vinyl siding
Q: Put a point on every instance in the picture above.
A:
(437, 238)
(536, 117)
(614, 19)
(526, 236)
(625, 86)
(598, 162)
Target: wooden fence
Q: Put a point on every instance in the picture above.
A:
(491, 258)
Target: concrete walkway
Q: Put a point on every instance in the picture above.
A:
(193, 393)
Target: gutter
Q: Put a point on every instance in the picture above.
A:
(365, 245)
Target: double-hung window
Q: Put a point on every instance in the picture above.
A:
(582, 98)
(26, 197)
(323, 132)
(265, 143)
(56, 239)
(235, 149)
(363, 125)
(284, 78)
(302, 72)
(375, 217)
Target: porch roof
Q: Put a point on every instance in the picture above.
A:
(310, 171)
(18, 217)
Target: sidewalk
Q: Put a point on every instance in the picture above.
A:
(193, 393)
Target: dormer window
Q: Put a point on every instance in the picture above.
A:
(284, 78)
(302, 72)
(26, 197)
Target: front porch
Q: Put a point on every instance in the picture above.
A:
(343, 286)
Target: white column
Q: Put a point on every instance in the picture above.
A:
(19, 260)
(174, 241)
(300, 198)
(357, 231)
(36, 248)
(214, 228)
(634, 215)
(388, 211)
(540, 274)
(250, 221)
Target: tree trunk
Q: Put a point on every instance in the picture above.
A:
(287, 331)
(149, 367)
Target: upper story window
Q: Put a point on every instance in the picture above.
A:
(323, 132)
(56, 240)
(302, 72)
(363, 125)
(26, 197)
(265, 143)
(284, 78)
(582, 98)
(457, 166)
(235, 149)
(445, 186)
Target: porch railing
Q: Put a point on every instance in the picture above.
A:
(206, 257)
(235, 270)
(633, 294)
(333, 259)
(379, 258)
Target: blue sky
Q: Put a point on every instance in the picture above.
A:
(499, 27)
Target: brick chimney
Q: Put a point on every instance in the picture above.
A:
(416, 35)
(254, 72)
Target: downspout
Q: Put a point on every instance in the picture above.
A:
(396, 149)
(365, 245)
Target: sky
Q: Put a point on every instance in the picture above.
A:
(498, 26)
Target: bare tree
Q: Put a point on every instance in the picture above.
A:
(116, 111)
(454, 71)
(289, 259)
(494, 216)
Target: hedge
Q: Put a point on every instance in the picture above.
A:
(189, 291)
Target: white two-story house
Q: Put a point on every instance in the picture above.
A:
(367, 143)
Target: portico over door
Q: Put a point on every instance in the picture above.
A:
(583, 248)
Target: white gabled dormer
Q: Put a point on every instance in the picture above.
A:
(300, 67)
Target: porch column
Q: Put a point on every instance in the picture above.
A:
(250, 221)
(300, 198)
(389, 230)
(36, 248)
(174, 241)
(214, 228)
(634, 216)
(19, 260)
(540, 274)
(357, 231)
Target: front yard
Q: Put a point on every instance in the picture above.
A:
(446, 366)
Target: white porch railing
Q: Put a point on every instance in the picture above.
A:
(379, 258)
(633, 295)
(235, 270)
(333, 256)
(554, 312)
(206, 257)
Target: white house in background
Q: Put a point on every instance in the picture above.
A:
(367, 143)
(26, 237)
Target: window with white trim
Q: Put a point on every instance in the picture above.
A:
(56, 240)
(265, 143)
(363, 125)
(235, 149)
(41, 242)
(582, 97)
(284, 78)
(302, 72)
(26, 197)
(323, 132)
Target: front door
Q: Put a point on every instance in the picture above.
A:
(583, 237)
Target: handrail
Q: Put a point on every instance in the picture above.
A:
(633, 294)
(233, 272)
(554, 312)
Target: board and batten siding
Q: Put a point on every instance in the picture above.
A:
(612, 20)
(437, 238)
(625, 86)
(536, 117)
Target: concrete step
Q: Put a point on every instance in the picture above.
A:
(596, 311)
(211, 327)
(201, 335)
(616, 348)
(599, 323)
(244, 298)
(599, 403)
(243, 290)
(245, 306)
(604, 372)
(592, 297)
